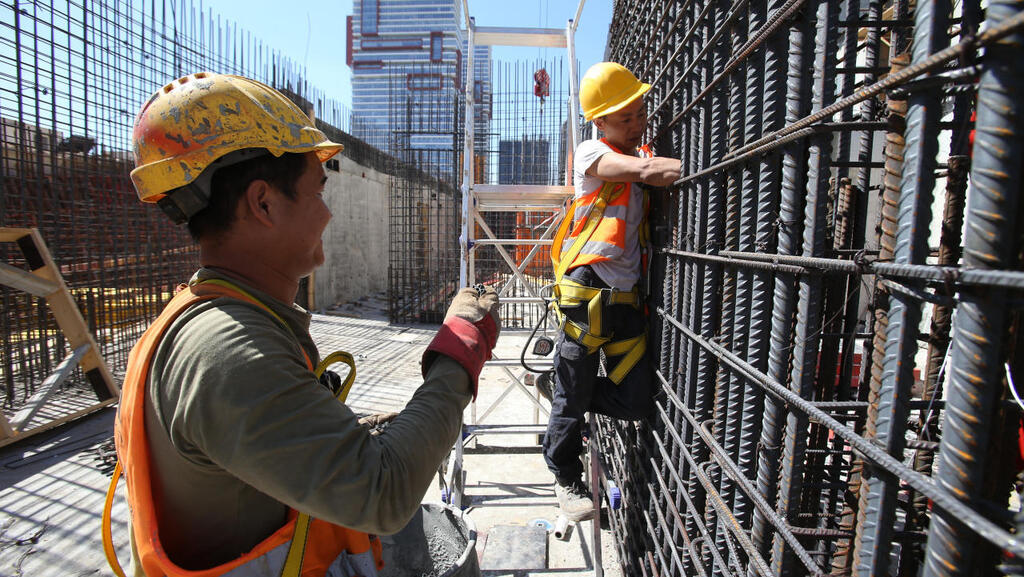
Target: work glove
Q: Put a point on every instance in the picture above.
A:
(377, 423)
(469, 332)
(332, 381)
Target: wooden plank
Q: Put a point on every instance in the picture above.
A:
(66, 312)
(519, 190)
(25, 281)
(47, 281)
(500, 197)
(12, 234)
(6, 430)
(57, 422)
(23, 417)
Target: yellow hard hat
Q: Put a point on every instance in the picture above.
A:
(608, 87)
(187, 125)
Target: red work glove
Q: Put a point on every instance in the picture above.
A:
(469, 332)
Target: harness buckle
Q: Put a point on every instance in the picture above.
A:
(610, 293)
(612, 296)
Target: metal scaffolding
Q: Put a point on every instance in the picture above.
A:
(837, 364)
(508, 221)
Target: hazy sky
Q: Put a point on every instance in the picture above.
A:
(314, 32)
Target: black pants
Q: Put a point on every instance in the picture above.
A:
(579, 389)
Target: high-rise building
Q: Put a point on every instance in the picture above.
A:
(408, 60)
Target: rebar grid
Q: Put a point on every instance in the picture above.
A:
(73, 74)
(810, 337)
(525, 145)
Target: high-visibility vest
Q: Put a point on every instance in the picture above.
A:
(302, 546)
(598, 225)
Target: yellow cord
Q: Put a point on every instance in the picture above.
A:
(108, 539)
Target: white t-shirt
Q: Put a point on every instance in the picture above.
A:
(623, 272)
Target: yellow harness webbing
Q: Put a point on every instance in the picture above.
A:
(569, 293)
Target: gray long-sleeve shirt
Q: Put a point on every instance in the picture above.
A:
(240, 429)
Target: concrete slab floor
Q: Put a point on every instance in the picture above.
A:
(52, 485)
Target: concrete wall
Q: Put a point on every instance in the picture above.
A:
(356, 240)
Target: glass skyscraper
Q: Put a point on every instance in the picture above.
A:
(408, 60)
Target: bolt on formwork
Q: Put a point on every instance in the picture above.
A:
(72, 77)
(838, 289)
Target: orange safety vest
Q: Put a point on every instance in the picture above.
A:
(598, 222)
(325, 545)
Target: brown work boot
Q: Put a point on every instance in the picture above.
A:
(575, 500)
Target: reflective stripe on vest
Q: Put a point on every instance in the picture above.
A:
(598, 225)
(328, 549)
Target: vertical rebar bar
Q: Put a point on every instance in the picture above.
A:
(715, 115)
(734, 319)
(938, 344)
(916, 193)
(755, 214)
(805, 349)
(887, 233)
(976, 372)
(793, 187)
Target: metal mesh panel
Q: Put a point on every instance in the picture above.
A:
(526, 146)
(834, 333)
(72, 76)
(425, 206)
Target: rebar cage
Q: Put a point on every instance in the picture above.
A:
(834, 332)
(425, 203)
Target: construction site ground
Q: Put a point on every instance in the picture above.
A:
(52, 485)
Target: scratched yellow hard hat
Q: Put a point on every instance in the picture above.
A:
(608, 87)
(195, 120)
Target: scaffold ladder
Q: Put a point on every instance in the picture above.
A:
(43, 279)
(481, 199)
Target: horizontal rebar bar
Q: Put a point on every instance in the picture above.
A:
(941, 498)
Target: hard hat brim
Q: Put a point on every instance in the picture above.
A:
(326, 150)
(142, 175)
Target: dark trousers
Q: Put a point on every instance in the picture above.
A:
(579, 389)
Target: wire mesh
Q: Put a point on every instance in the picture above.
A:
(526, 143)
(72, 76)
(813, 319)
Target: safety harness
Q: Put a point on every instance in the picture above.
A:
(297, 546)
(570, 294)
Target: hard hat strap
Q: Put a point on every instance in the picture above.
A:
(184, 202)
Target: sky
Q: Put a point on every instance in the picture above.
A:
(313, 33)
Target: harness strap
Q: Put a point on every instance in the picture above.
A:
(581, 335)
(633, 349)
(571, 293)
(297, 548)
(609, 191)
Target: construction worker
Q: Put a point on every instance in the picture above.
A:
(238, 459)
(598, 254)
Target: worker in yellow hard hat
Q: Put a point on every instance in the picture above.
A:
(598, 254)
(238, 458)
